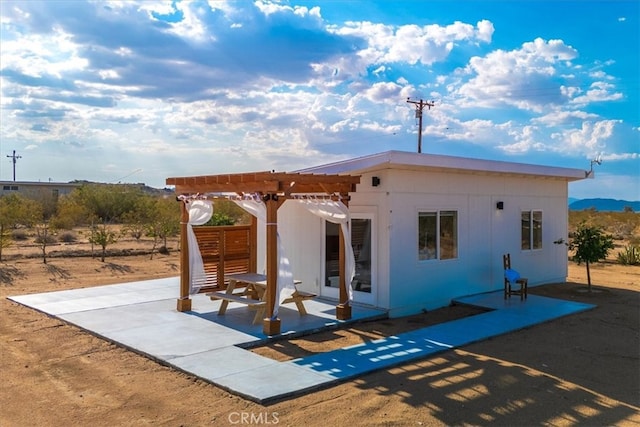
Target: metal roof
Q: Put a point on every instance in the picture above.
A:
(421, 161)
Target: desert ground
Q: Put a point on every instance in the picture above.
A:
(578, 370)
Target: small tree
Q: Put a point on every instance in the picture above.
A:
(590, 245)
(164, 222)
(16, 210)
(70, 214)
(44, 238)
(137, 220)
(44, 230)
(101, 235)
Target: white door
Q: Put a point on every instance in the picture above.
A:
(363, 243)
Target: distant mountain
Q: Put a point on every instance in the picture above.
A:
(603, 205)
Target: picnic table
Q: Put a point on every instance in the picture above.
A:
(251, 289)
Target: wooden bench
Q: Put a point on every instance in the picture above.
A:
(297, 298)
(228, 297)
(256, 304)
(250, 289)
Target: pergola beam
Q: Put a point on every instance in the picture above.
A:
(265, 182)
(230, 187)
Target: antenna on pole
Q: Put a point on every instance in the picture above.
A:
(597, 161)
(14, 158)
(419, 107)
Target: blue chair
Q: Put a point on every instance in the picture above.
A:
(514, 284)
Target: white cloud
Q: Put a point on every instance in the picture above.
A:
(588, 140)
(620, 156)
(191, 26)
(412, 43)
(523, 78)
(557, 118)
(598, 92)
(384, 92)
(232, 85)
(36, 55)
(526, 139)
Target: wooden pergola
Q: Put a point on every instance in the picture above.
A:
(274, 188)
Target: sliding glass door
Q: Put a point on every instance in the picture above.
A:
(362, 242)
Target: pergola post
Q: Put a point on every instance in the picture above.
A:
(184, 302)
(343, 309)
(271, 324)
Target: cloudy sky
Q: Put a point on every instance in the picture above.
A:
(137, 91)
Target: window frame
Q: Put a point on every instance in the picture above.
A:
(532, 241)
(438, 214)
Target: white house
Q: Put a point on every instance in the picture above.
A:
(428, 228)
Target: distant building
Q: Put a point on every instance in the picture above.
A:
(37, 190)
(53, 190)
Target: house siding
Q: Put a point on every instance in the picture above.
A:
(405, 285)
(484, 234)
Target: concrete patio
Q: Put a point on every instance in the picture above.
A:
(142, 317)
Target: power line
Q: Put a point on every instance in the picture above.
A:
(15, 159)
(419, 107)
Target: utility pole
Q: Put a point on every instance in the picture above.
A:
(15, 158)
(419, 107)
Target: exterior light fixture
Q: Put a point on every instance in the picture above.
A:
(500, 206)
(375, 181)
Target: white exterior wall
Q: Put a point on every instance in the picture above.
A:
(406, 285)
(484, 235)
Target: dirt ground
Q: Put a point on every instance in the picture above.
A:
(578, 370)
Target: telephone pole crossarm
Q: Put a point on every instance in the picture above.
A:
(14, 159)
(419, 107)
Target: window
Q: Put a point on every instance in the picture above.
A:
(437, 235)
(531, 230)
(361, 243)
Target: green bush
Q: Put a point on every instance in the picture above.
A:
(629, 256)
(219, 218)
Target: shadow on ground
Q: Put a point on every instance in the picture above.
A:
(57, 272)
(9, 273)
(458, 388)
(117, 268)
(559, 379)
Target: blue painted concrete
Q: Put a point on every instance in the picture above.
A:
(142, 317)
(506, 316)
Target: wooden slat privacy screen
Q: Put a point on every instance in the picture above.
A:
(225, 250)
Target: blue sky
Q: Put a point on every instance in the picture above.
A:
(137, 91)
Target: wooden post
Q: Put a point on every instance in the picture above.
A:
(271, 325)
(253, 245)
(184, 302)
(343, 309)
